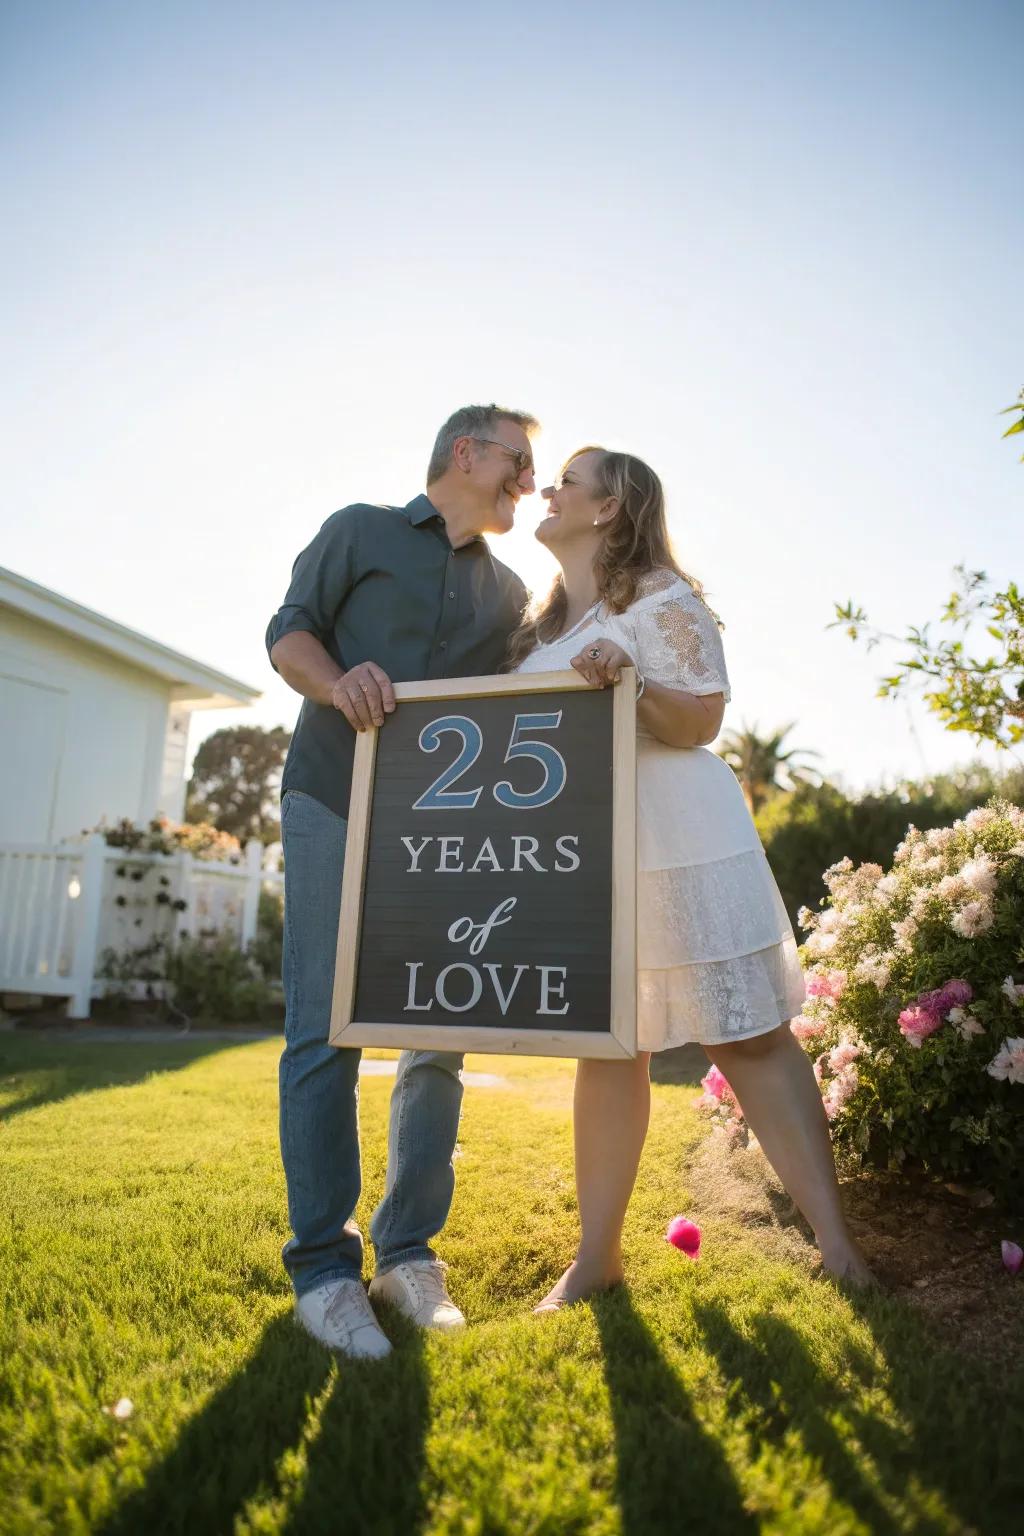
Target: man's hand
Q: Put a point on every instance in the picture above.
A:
(364, 695)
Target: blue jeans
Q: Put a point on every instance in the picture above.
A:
(320, 1088)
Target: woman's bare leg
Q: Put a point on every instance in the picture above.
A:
(611, 1111)
(774, 1082)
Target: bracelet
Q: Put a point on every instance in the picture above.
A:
(643, 685)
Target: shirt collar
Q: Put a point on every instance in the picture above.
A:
(420, 510)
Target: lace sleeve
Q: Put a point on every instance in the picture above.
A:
(679, 643)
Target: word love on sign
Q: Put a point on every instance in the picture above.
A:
(489, 898)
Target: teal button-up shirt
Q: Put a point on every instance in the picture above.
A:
(384, 584)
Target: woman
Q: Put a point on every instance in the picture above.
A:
(715, 950)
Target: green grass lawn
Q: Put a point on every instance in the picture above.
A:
(142, 1218)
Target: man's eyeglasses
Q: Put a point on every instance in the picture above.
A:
(522, 459)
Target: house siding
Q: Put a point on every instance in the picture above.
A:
(85, 735)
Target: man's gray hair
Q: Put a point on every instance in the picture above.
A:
(472, 421)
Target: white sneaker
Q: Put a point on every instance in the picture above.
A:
(339, 1315)
(418, 1290)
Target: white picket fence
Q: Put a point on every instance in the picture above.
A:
(62, 908)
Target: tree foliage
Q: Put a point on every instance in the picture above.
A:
(980, 694)
(1018, 425)
(762, 766)
(235, 781)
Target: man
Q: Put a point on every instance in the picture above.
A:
(381, 595)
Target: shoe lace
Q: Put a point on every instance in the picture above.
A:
(432, 1282)
(345, 1299)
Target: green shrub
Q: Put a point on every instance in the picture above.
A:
(915, 1013)
(812, 828)
(211, 979)
(266, 949)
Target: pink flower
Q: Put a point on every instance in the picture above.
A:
(840, 1090)
(1013, 1256)
(716, 1085)
(1008, 1063)
(916, 1024)
(953, 995)
(828, 984)
(804, 1028)
(684, 1235)
(841, 1057)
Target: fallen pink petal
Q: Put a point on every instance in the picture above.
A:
(684, 1235)
(1013, 1257)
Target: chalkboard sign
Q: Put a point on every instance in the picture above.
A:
(489, 896)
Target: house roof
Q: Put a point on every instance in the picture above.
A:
(191, 682)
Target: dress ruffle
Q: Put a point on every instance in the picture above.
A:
(716, 1002)
(693, 913)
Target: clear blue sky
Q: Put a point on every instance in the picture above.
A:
(255, 253)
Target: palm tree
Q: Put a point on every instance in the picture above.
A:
(761, 765)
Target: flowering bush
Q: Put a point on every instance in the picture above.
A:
(915, 1002)
(915, 1010)
(165, 836)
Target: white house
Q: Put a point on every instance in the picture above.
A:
(94, 717)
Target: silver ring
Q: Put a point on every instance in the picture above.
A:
(595, 651)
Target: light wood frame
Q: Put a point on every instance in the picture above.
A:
(620, 1040)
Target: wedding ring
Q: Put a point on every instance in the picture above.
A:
(595, 651)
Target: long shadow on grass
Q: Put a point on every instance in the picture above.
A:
(944, 1405)
(363, 1462)
(777, 1388)
(364, 1471)
(964, 1415)
(228, 1450)
(671, 1474)
(51, 1070)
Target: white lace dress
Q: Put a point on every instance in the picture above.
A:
(715, 949)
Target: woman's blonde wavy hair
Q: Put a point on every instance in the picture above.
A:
(636, 542)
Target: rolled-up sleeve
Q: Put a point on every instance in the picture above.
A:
(322, 577)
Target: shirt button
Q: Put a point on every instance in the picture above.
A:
(452, 596)
(444, 645)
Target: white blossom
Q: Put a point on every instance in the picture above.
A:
(1008, 1063)
(873, 967)
(965, 1023)
(1012, 991)
(980, 873)
(977, 917)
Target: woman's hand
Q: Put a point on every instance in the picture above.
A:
(600, 662)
